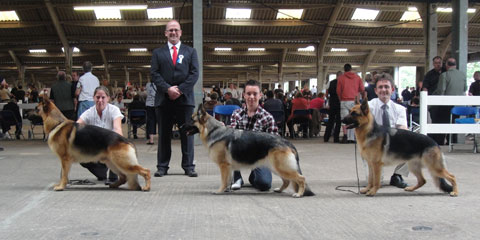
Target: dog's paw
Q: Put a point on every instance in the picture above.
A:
(296, 195)
(409, 189)
(277, 190)
(58, 188)
(453, 194)
(371, 192)
(145, 189)
(364, 190)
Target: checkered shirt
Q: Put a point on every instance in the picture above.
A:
(261, 121)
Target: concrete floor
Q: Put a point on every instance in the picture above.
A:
(179, 207)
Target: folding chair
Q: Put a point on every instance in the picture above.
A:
(279, 117)
(225, 111)
(8, 118)
(468, 112)
(301, 117)
(35, 121)
(136, 118)
(414, 116)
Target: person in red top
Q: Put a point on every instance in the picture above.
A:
(318, 102)
(298, 103)
(348, 87)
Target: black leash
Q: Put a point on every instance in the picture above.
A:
(339, 188)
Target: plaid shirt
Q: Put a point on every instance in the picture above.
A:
(261, 121)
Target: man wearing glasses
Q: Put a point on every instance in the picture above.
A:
(174, 71)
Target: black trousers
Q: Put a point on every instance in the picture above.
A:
(334, 119)
(166, 116)
(151, 121)
(441, 114)
(99, 170)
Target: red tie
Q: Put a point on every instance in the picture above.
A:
(174, 56)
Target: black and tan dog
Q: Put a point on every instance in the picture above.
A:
(385, 146)
(73, 143)
(232, 149)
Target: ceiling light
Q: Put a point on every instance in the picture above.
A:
(403, 50)
(119, 7)
(256, 49)
(471, 10)
(138, 49)
(411, 15)
(338, 49)
(223, 49)
(365, 14)
(289, 13)
(412, 9)
(107, 14)
(8, 16)
(238, 13)
(160, 13)
(306, 49)
(75, 49)
(37, 50)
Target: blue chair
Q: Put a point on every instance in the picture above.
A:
(225, 111)
(279, 117)
(137, 118)
(469, 113)
(414, 115)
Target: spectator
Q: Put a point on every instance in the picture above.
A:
(151, 116)
(20, 94)
(272, 104)
(12, 106)
(298, 103)
(137, 103)
(334, 118)
(229, 100)
(210, 105)
(61, 95)
(474, 89)
(85, 88)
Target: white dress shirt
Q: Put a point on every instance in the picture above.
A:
(396, 112)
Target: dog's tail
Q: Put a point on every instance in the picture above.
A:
(308, 191)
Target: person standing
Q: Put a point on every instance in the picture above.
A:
(85, 88)
(151, 117)
(430, 81)
(61, 95)
(253, 117)
(451, 83)
(348, 87)
(391, 115)
(474, 89)
(334, 118)
(174, 72)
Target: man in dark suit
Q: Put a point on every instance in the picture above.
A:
(174, 72)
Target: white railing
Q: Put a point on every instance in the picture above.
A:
(426, 100)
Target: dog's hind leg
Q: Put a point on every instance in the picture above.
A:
(66, 165)
(285, 165)
(435, 164)
(416, 168)
(285, 184)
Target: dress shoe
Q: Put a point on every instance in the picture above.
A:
(191, 173)
(397, 181)
(110, 181)
(160, 173)
(237, 184)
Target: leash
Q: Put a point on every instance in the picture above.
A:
(339, 188)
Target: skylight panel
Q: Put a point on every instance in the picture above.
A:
(256, 49)
(160, 13)
(306, 49)
(8, 16)
(38, 50)
(403, 50)
(289, 13)
(365, 14)
(238, 13)
(107, 14)
(75, 49)
(115, 7)
(411, 15)
(449, 10)
(138, 49)
(338, 49)
(223, 49)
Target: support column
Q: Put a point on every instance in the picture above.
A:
(431, 36)
(198, 45)
(460, 33)
(140, 79)
(127, 75)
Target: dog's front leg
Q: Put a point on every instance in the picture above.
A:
(225, 172)
(370, 179)
(377, 171)
(66, 164)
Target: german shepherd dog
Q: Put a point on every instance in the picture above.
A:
(73, 143)
(232, 149)
(385, 146)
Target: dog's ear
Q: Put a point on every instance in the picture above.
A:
(202, 113)
(357, 101)
(364, 107)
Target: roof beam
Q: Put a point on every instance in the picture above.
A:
(61, 34)
(328, 30)
(105, 64)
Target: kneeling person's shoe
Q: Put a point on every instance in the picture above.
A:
(160, 173)
(191, 173)
(397, 181)
(237, 184)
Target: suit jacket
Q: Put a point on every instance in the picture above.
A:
(452, 82)
(184, 74)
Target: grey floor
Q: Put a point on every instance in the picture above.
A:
(179, 207)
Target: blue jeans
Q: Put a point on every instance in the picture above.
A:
(260, 178)
(83, 106)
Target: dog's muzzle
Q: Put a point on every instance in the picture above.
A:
(350, 122)
(189, 129)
